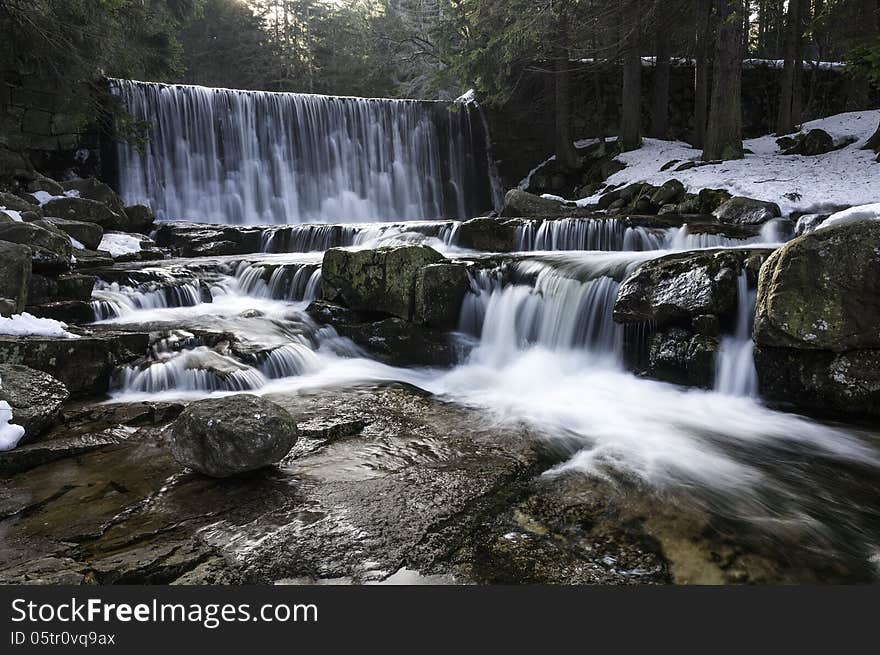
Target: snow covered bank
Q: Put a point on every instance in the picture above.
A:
(10, 434)
(845, 177)
(27, 325)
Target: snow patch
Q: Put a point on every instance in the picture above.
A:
(10, 434)
(28, 325)
(119, 244)
(848, 176)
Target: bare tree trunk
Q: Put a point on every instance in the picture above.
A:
(701, 72)
(874, 142)
(660, 101)
(631, 104)
(565, 151)
(785, 118)
(724, 132)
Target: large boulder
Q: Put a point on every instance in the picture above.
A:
(93, 189)
(746, 211)
(88, 234)
(15, 276)
(43, 183)
(675, 289)
(140, 218)
(487, 234)
(814, 142)
(821, 291)
(229, 436)
(670, 192)
(379, 280)
(439, 292)
(36, 398)
(85, 211)
(28, 210)
(50, 248)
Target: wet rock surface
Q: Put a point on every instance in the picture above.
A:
(382, 480)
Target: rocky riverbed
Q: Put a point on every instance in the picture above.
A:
(530, 398)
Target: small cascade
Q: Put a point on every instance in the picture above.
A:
(307, 238)
(483, 284)
(255, 157)
(113, 300)
(557, 312)
(287, 282)
(587, 234)
(196, 369)
(683, 238)
(735, 372)
(288, 361)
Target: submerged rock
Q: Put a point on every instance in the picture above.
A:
(746, 211)
(229, 436)
(15, 277)
(379, 280)
(36, 398)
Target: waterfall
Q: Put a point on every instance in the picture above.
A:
(557, 313)
(113, 300)
(735, 372)
(256, 157)
(587, 234)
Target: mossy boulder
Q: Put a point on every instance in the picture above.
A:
(708, 200)
(15, 276)
(93, 189)
(814, 142)
(678, 356)
(487, 235)
(88, 234)
(379, 280)
(50, 248)
(439, 292)
(140, 218)
(821, 291)
(522, 204)
(746, 211)
(86, 211)
(671, 192)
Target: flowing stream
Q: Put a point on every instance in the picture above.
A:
(542, 347)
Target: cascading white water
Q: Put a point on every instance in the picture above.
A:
(587, 234)
(735, 372)
(113, 300)
(255, 157)
(557, 312)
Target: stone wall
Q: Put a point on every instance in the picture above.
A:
(56, 130)
(523, 130)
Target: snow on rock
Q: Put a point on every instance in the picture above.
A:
(852, 215)
(76, 244)
(11, 213)
(119, 244)
(10, 434)
(27, 325)
(849, 176)
(44, 196)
